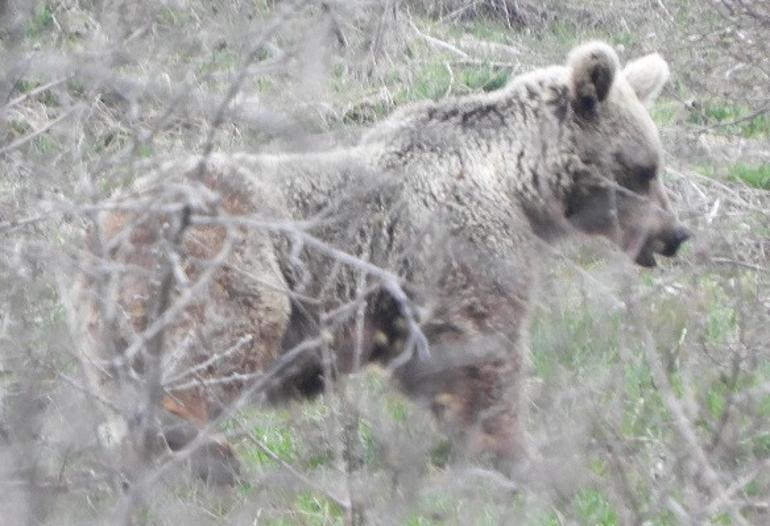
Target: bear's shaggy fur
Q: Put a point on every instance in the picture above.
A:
(417, 248)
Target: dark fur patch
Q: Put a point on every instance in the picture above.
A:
(386, 319)
(532, 93)
(303, 376)
(482, 112)
(559, 103)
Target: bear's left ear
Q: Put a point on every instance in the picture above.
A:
(593, 68)
(646, 76)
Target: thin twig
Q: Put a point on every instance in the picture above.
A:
(340, 501)
(24, 140)
(32, 93)
(435, 42)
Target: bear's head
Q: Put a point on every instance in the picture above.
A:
(616, 188)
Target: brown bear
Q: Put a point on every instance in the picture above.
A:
(235, 275)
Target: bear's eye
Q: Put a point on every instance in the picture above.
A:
(640, 178)
(635, 174)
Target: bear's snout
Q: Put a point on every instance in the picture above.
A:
(665, 242)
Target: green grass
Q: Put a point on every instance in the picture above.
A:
(278, 438)
(436, 80)
(720, 322)
(222, 59)
(47, 97)
(592, 336)
(173, 17)
(756, 176)
(591, 507)
(41, 21)
(397, 409)
(316, 510)
(441, 453)
(435, 509)
(733, 119)
(19, 127)
(483, 78)
(664, 112)
(481, 28)
(564, 33)
(428, 82)
(578, 343)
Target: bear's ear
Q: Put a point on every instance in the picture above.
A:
(646, 76)
(593, 67)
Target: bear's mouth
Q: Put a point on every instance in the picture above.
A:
(644, 252)
(666, 244)
(646, 257)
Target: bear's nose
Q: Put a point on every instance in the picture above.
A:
(674, 240)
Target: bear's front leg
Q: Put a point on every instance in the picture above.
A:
(474, 379)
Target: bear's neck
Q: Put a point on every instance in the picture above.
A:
(539, 179)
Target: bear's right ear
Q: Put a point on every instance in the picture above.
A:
(593, 67)
(646, 76)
